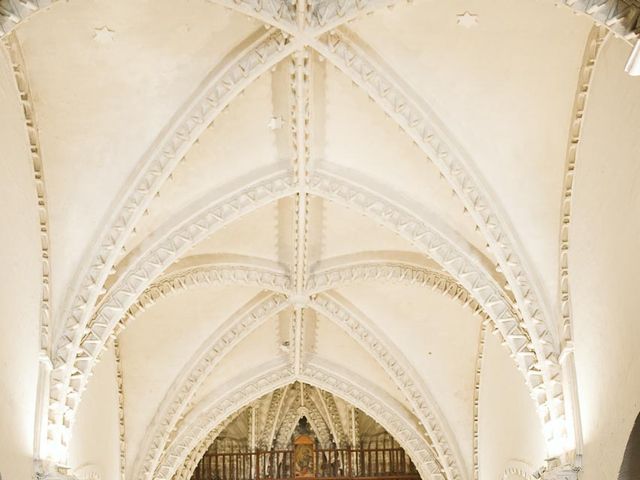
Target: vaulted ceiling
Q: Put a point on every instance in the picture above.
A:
(238, 196)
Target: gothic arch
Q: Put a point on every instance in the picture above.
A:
(199, 221)
(205, 218)
(217, 91)
(198, 368)
(73, 354)
(539, 371)
(430, 134)
(206, 416)
(260, 309)
(399, 370)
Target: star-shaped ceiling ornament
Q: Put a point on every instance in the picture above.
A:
(467, 20)
(103, 35)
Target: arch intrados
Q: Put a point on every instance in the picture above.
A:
(354, 324)
(198, 368)
(116, 303)
(267, 379)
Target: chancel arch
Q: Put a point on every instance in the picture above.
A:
(231, 455)
(201, 220)
(256, 312)
(336, 380)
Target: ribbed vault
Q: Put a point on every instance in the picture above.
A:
(289, 209)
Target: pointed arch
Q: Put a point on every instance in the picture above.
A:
(288, 424)
(247, 271)
(197, 223)
(429, 133)
(336, 380)
(234, 330)
(187, 383)
(216, 92)
(339, 311)
(393, 271)
(540, 369)
(201, 219)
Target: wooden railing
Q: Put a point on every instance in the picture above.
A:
(330, 464)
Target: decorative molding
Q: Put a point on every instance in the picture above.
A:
(316, 420)
(220, 88)
(120, 386)
(476, 400)
(622, 17)
(151, 260)
(428, 133)
(14, 12)
(332, 419)
(400, 273)
(154, 258)
(619, 16)
(454, 258)
(275, 407)
(399, 370)
(301, 147)
(196, 371)
(288, 424)
(594, 42)
(354, 426)
(222, 273)
(346, 385)
(327, 15)
(596, 38)
(536, 359)
(28, 110)
(277, 13)
(379, 406)
(185, 471)
(76, 347)
(212, 411)
(332, 410)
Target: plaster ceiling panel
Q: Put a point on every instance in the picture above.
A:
(333, 343)
(437, 336)
(504, 88)
(604, 265)
(238, 145)
(362, 139)
(158, 343)
(347, 232)
(259, 348)
(255, 234)
(106, 78)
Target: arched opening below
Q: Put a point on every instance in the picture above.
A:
(300, 431)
